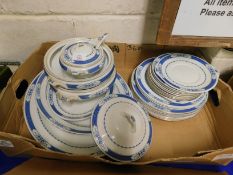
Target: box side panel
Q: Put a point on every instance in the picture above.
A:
(223, 114)
(61, 167)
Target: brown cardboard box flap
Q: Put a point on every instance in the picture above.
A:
(208, 133)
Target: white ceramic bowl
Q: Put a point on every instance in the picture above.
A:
(59, 78)
(72, 95)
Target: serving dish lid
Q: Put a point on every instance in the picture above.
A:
(80, 54)
(82, 57)
(121, 128)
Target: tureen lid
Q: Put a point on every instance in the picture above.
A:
(80, 54)
(121, 128)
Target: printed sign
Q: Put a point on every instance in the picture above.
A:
(212, 18)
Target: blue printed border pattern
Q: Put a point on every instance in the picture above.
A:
(92, 84)
(160, 107)
(213, 72)
(126, 88)
(45, 112)
(28, 118)
(75, 71)
(99, 141)
(87, 61)
(51, 93)
(138, 79)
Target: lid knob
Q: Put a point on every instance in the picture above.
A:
(132, 121)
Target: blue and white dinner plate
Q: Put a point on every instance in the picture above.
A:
(75, 114)
(187, 73)
(169, 93)
(59, 77)
(57, 120)
(77, 110)
(145, 89)
(81, 140)
(72, 110)
(156, 108)
(121, 87)
(121, 128)
(162, 88)
(41, 133)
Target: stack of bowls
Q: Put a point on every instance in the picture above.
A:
(173, 86)
(78, 74)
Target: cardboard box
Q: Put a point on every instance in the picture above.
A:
(206, 138)
(59, 167)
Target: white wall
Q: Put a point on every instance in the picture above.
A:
(24, 24)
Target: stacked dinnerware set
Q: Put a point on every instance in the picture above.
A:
(173, 86)
(80, 105)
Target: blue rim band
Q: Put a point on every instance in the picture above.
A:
(90, 84)
(29, 118)
(44, 111)
(212, 71)
(92, 59)
(160, 99)
(109, 152)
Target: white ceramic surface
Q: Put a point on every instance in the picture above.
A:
(39, 131)
(187, 73)
(44, 106)
(141, 77)
(81, 57)
(161, 111)
(121, 128)
(72, 95)
(59, 78)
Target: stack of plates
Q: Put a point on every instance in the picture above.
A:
(173, 86)
(78, 74)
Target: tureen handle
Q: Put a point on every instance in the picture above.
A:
(55, 84)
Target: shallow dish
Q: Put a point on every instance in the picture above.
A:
(187, 73)
(158, 85)
(43, 102)
(145, 89)
(73, 110)
(71, 116)
(156, 108)
(41, 134)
